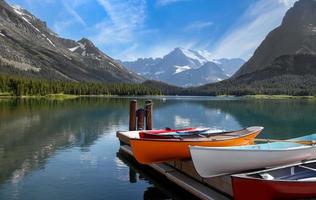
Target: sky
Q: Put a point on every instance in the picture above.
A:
(131, 29)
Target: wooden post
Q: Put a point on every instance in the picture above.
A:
(132, 115)
(132, 175)
(140, 118)
(149, 112)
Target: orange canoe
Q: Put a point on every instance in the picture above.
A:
(148, 151)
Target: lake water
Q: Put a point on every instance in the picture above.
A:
(68, 149)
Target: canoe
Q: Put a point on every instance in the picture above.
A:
(148, 151)
(288, 182)
(236, 159)
(166, 130)
(311, 137)
(175, 133)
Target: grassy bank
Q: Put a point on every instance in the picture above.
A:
(49, 96)
(62, 96)
(277, 97)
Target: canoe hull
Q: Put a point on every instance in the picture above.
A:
(261, 190)
(210, 162)
(148, 151)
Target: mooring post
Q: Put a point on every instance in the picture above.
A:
(132, 115)
(132, 175)
(140, 118)
(148, 113)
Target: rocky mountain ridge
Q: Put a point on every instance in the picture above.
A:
(295, 36)
(29, 48)
(284, 63)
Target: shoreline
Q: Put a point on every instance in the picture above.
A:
(260, 96)
(70, 96)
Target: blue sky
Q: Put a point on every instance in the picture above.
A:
(129, 29)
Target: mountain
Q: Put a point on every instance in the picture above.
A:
(142, 66)
(295, 36)
(284, 63)
(185, 67)
(29, 48)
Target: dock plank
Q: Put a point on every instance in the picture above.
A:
(194, 187)
(174, 174)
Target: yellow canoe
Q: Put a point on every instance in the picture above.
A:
(148, 151)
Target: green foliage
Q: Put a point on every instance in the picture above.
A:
(35, 87)
(165, 88)
(292, 85)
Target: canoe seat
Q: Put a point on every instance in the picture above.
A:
(308, 179)
(300, 175)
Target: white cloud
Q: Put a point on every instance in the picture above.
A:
(125, 18)
(287, 3)
(67, 16)
(167, 2)
(155, 50)
(198, 25)
(71, 10)
(245, 36)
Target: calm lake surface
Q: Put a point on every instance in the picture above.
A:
(68, 149)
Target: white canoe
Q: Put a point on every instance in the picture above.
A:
(216, 161)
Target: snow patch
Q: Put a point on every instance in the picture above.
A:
(203, 56)
(50, 42)
(19, 10)
(207, 55)
(82, 46)
(159, 72)
(27, 21)
(180, 69)
(74, 48)
(193, 55)
(2, 34)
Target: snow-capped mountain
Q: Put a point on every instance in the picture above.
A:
(185, 67)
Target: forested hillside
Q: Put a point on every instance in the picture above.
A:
(17, 86)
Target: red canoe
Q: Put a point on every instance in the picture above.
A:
(166, 132)
(288, 182)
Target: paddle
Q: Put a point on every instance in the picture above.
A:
(304, 142)
(203, 135)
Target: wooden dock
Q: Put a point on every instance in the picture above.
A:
(183, 174)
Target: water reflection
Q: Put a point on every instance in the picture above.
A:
(281, 118)
(32, 130)
(160, 188)
(73, 142)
